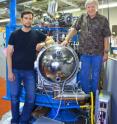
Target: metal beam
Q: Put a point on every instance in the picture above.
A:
(68, 3)
(13, 12)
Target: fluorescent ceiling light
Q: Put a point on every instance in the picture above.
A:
(4, 20)
(45, 14)
(110, 5)
(2, 0)
(70, 10)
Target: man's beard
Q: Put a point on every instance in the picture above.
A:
(27, 26)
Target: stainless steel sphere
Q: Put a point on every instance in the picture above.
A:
(57, 63)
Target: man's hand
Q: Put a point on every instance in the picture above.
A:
(72, 32)
(39, 46)
(106, 48)
(47, 42)
(11, 76)
(65, 43)
(105, 57)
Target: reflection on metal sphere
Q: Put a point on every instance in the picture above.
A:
(57, 63)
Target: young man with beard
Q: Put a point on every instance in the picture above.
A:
(21, 54)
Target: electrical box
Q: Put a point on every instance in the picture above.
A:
(103, 108)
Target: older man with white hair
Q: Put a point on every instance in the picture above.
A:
(93, 44)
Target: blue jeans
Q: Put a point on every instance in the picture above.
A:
(28, 80)
(90, 72)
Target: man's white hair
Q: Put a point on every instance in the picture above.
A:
(95, 2)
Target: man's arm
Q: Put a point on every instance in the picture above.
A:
(10, 51)
(47, 42)
(71, 33)
(106, 48)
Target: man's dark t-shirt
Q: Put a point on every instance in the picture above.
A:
(24, 44)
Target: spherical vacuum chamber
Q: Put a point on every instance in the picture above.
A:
(57, 64)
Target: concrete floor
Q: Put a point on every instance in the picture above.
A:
(4, 105)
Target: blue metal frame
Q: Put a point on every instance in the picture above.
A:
(9, 28)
